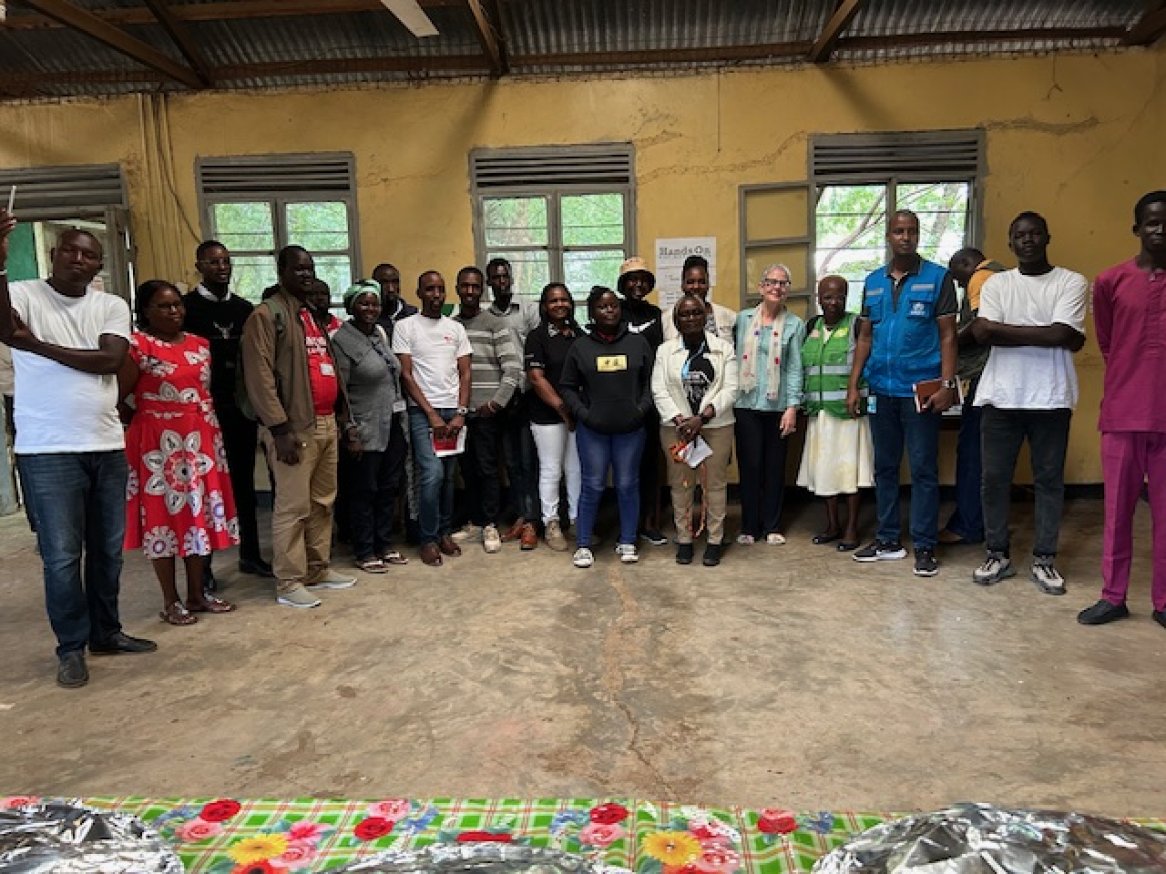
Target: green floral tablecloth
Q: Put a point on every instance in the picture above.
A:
(228, 836)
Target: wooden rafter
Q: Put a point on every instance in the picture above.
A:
(824, 45)
(230, 10)
(1149, 28)
(182, 38)
(489, 22)
(118, 40)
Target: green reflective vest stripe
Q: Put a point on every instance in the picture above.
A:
(827, 365)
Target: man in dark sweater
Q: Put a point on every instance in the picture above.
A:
(216, 314)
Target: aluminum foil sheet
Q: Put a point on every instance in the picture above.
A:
(982, 839)
(62, 838)
(480, 858)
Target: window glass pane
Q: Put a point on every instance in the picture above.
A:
(515, 221)
(851, 234)
(584, 268)
(942, 208)
(529, 271)
(245, 226)
(250, 274)
(592, 219)
(320, 226)
(336, 270)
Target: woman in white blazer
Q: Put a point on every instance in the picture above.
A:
(694, 387)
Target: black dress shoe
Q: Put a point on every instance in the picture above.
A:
(684, 553)
(71, 672)
(712, 555)
(120, 643)
(1160, 617)
(1102, 612)
(256, 566)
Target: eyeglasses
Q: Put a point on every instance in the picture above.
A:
(774, 283)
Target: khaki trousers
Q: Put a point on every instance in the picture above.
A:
(683, 480)
(301, 520)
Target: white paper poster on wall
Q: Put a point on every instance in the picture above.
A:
(670, 255)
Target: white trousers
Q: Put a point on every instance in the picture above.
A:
(557, 456)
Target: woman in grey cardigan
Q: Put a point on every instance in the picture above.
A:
(372, 478)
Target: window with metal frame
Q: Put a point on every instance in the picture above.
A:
(48, 200)
(257, 205)
(563, 213)
(860, 179)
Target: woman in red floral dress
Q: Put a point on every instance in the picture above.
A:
(178, 496)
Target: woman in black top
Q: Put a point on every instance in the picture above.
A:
(551, 424)
(606, 384)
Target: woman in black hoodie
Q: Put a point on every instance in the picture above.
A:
(606, 384)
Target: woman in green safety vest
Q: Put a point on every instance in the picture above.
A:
(838, 456)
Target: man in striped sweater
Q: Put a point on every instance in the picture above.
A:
(496, 373)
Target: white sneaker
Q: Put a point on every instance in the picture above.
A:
(627, 553)
(491, 539)
(332, 580)
(583, 557)
(469, 531)
(996, 567)
(1047, 578)
(295, 595)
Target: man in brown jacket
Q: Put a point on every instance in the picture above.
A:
(298, 397)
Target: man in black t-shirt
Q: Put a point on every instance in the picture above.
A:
(213, 312)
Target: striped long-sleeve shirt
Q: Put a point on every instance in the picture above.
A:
(496, 366)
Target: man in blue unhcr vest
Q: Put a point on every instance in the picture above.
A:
(906, 336)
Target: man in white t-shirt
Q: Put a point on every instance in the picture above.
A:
(435, 372)
(1033, 317)
(68, 341)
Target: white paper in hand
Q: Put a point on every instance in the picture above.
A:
(696, 452)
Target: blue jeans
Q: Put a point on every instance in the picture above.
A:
(435, 478)
(598, 452)
(893, 425)
(79, 501)
(967, 520)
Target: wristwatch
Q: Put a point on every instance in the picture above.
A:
(948, 383)
(461, 411)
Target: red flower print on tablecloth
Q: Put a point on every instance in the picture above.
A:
(15, 802)
(391, 808)
(491, 837)
(299, 854)
(198, 829)
(609, 814)
(221, 810)
(601, 834)
(776, 821)
(255, 868)
(372, 828)
(305, 831)
(717, 860)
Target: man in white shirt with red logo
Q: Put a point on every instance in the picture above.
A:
(68, 340)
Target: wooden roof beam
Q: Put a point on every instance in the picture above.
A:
(824, 45)
(118, 40)
(1149, 28)
(182, 38)
(489, 21)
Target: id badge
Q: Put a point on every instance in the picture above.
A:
(399, 407)
(326, 369)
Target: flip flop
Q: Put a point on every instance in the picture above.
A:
(825, 538)
(393, 557)
(371, 565)
(177, 614)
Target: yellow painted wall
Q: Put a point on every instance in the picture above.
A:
(1077, 138)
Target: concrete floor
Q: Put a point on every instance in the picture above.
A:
(788, 676)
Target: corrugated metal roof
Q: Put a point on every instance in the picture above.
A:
(266, 47)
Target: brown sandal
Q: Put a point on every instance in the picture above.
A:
(177, 614)
(210, 604)
(391, 556)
